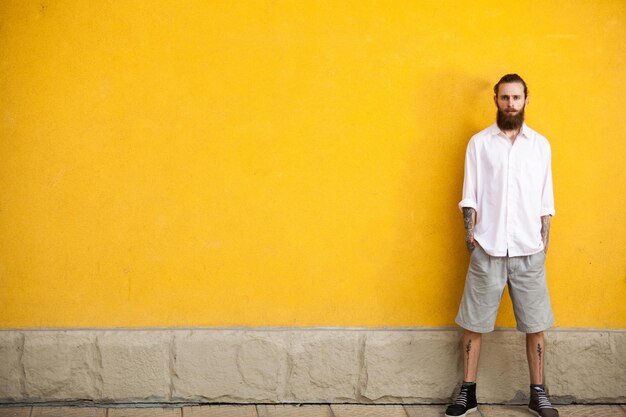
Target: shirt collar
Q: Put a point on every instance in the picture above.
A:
(525, 130)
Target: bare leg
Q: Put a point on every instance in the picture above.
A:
(535, 352)
(471, 353)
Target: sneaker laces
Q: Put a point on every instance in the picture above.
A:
(542, 398)
(462, 398)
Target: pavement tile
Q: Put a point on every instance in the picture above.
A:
(15, 412)
(144, 412)
(590, 411)
(68, 412)
(564, 411)
(424, 410)
(358, 410)
(504, 410)
(220, 411)
(285, 410)
(310, 410)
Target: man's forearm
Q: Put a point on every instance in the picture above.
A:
(545, 232)
(469, 219)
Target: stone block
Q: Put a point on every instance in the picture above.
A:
(324, 366)
(402, 366)
(230, 366)
(135, 365)
(411, 365)
(503, 368)
(618, 347)
(586, 366)
(60, 365)
(11, 378)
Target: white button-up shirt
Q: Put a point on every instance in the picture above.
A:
(510, 187)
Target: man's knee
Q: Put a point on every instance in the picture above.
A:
(468, 334)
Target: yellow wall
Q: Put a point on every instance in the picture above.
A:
(292, 163)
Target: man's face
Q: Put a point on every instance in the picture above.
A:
(510, 102)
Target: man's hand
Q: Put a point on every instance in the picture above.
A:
(545, 232)
(469, 218)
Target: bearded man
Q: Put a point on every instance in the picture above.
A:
(507, 204)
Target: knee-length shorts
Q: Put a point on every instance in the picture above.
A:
(484, 285)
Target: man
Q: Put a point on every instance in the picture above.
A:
(507, 204)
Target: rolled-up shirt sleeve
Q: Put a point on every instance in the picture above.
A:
(470, 180)
(547, 196)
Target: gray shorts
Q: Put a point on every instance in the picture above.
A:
(484, 285)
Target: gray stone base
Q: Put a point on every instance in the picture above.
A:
(299, 365)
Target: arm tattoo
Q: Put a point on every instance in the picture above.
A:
(468, 218)
(545, 232)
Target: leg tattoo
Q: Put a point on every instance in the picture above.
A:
(468, 348)
(539, 352)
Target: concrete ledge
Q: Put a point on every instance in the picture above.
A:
(298, 365)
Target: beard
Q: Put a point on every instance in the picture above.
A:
(510, 121)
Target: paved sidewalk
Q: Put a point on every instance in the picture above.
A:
(334, 410)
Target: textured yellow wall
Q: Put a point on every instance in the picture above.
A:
(292, 163)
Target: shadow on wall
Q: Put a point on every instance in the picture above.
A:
(450, 107)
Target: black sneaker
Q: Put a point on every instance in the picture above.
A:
(540, 404)
(465, 403)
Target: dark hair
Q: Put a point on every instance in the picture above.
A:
(510, 78)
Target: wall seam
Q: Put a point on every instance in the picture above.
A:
(98, 368)
(302, 328)
(22, 368)
(172, 365)
(361, 385)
